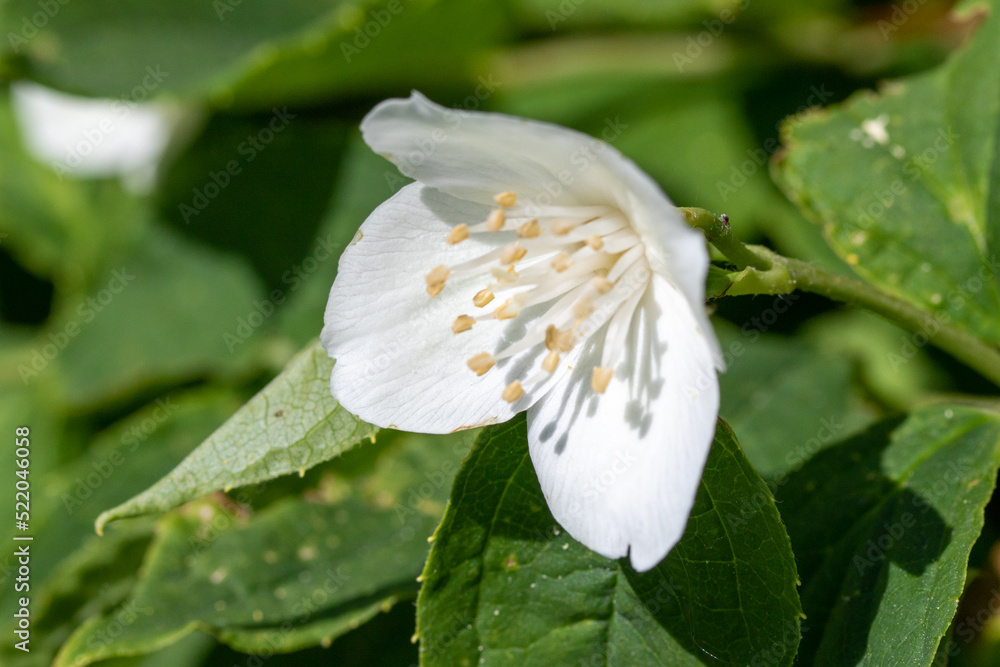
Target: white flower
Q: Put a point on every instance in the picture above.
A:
(533, 268)
(85, 137)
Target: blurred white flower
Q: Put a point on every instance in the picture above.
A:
(534, 268)
(86, 137)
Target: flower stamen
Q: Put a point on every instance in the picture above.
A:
(505, 199)
(508, 310)
(483, 297)
(462, 323)
(513, 253)
(602, 284)
(508, 275)
(567, 259)
(551, 362)
(562, 262)
(530, 229)
(458, 234)
(563, 227)
(558, 341)
(481, 363)
(599, 379)
(436, 279)
(496, 220)
(513, 392)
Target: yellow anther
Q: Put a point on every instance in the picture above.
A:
(595, 242)
(482, 298)
(462, 323)
(496, 219)
(513, 392)
(512, 253)
(508, 310)
(551, 362)
(529, 230)
(600, 379)
(508, 275)
(506, 199)
(562, 227)
(602, 284)
(558, 341)
(561, 262)
(436, 279)
(481, 363)
(458, 234)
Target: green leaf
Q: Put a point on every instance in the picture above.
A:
(222, 190)
(119, 462)
(712, 16)
(376, 46)
(96, 580)
(904, 184)
(763, 371)
(61, 228)
(718, 282)
(250, 53)
(167, 312)
(569, 15)
(110, 49)
(504, 585)
(290, 426)
(298, 573)
(364, 181)
(894, 364)
(882, 526)
(74, 575)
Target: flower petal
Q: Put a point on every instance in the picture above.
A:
(673, 249)
(620, 470)
(474, 155)
(92, 137)
(399, 365)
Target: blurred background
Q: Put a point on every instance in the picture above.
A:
(177, 180)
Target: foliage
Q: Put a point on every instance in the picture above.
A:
(160, 343)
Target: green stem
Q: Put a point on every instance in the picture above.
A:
(766, 272)
(719, 234)
(960, 344)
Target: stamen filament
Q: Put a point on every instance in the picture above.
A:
(625, 262)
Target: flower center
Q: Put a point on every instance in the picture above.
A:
(586, 262)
